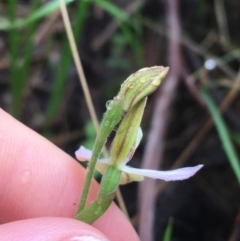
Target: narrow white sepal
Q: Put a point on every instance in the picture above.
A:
(139, 137)
(173, 175)
(84, 154)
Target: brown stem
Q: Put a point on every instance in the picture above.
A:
(154, 148)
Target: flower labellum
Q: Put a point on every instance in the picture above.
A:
(125, 142)
(130, 174)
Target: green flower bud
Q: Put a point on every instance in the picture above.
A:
(141, 84)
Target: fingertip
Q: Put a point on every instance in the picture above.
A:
(54, 229)
(38, 179)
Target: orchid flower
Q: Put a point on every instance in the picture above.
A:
(126, 110)
(136, 174)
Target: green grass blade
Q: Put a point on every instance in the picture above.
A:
(126, 26)
(168, 231)
(15, 84)
(236, 137)
(50, 7)
(134, 43)
(111, 9)
(37, 14)
(66, 60)
(19, 73)
(223, 134)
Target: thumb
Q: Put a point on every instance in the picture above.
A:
(54, 229)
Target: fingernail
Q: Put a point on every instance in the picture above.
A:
(86, 238)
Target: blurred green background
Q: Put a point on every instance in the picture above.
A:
(40, 87)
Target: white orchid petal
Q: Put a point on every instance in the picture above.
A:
(135, 146)
(104, 160)
(173, 175)
(139, 137)
(83, 154)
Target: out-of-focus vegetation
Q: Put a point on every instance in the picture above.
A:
(39, 86)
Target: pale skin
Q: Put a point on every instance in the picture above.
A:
(40, 188)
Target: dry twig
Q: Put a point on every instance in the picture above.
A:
(235, 235)
(100, 40)
(203, 131)
(154, 147)
(84, 85)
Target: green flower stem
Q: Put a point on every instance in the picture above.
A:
(111, 118)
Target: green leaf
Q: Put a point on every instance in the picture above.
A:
(95, 209)
(64, 65)
(19, 72)
(236, 137)
(168, 231)
(223, 134)
(112, 9)
(90, 133)
(48, 8)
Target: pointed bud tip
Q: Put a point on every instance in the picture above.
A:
(165, 69)
(157, 68)
(162, 72)
(141, 84)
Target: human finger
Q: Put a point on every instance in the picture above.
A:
(52, 229)
(38, 179)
